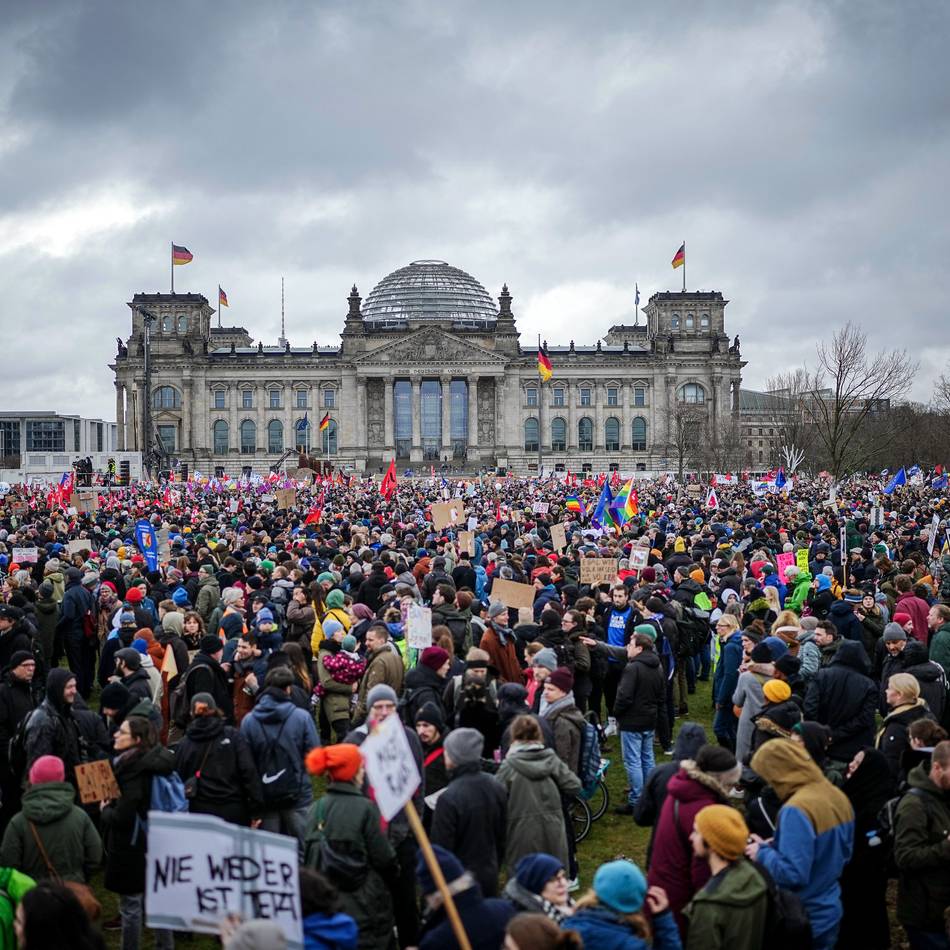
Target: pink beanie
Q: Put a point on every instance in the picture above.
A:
(47, 768)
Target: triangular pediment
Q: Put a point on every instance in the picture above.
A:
(430, 345)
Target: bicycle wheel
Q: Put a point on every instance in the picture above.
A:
(599, 801)
(580, 819)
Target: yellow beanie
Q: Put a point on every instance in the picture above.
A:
(679, 546)
(777, 691)
(724, 830)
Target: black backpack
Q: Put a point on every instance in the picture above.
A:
(281, 779)
(693, 631)
(16, 747)
(787, 926)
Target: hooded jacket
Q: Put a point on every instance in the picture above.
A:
(796, 600)
(52, 730)
(641, 693)
(567, 724)
(603, 929)
(814, 835)
(209, 594)
(893, 738)
(918, 609)
(330, 932)
(929, 675)
(843, 697)
(846, 622)
(730, 912)
(498, 641)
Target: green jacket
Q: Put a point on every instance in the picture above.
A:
(730, 911)
(336, 696)
(940, 647)
(352, 824)
(67, 832)
(922, 853)
(13, 885)
(796, 599)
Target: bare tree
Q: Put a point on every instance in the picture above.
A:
(723, 449)
(848, 388)
(686, 425)
(796, 432)
(941, 396)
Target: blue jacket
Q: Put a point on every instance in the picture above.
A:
(602, 929)
(846, 622)
(727, 669)
(547, 595)
(276, 715)
(333, 932)
(771, 579)
(76, 601)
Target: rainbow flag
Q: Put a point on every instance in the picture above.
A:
(679, 258)
(573, 503)
(181, 255)
(325, 422)
(222, 297)
(625, 504)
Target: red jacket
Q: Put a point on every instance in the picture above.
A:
(672, 864)
(911, 604)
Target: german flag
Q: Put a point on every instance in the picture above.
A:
(222, 297)
(544, 365)
(181, 255)
(679, 258)
(325, 422)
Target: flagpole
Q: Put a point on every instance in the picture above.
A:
(684, 267)
(540, 405)
(171, 251)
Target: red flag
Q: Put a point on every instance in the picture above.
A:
(388, 485)
(316, 511)
(938, 470)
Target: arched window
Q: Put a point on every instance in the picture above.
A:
(275, 437)
(690, 321)
(219, 432)
(531, 435)
(168, 324)
(693, 393)
(166, 397)
(585, 435)
(248, 437)
(330, 438)
(558, 435)
(639, 435)
(182, 323)
(612, 435)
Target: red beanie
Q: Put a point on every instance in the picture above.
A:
(341, 761)
(135, 595)
(434, 658)
(562, 678)
(901, 618)
(47, 768)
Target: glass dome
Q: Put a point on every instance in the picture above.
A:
(429, 290)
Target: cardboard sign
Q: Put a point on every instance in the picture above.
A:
(19, 508)
(76, 547)
(390, 767)
(599, 570)
(467, 542)
(96, 782)
(801, 559)
(694, 490)
(25, 555)
(87, 503)
(540, 508)
(558, 537)
(419, 624)
(638, 559)
(445, 513)
(286, 497)
(512, 594)
(199, 869)
(783, 561)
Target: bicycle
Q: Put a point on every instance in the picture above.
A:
(597, 796)
(581, 819)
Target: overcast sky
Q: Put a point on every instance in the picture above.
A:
(801, 149)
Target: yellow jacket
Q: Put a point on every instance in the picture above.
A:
(334, 613)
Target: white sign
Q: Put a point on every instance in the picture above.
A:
(877, 516)
(25, 555)
(931, 541)
(540, 508)
(639, 558)
(199, 869)
(390, 767)
(420, 627)
(78, 544)
(472, 522)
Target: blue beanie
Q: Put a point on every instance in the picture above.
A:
(824, 582)
(533, 871)
(621, 886)
(330, 627)
(140, 645)
(180, 596)
(776, 647)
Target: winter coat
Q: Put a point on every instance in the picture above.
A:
(940, 647)
(206, 675)
(918, 609)
(369, 592)
(750, 697)
(536, 780)
(16, 702)
(138, 684)
(846, 621)
(796, 599)
(47, 617)
(352, 824)
(929, 675)
(124, 830)
(641, 693)
(470, 821)
(423, 685)
(922, 853)
(547, 595)
(603, 929)
(814, 835)
(383, 666)
(729, 913)
(893, 738)
(335, 697)
(673, 866)
(459, 624)
(502, 656)
(209, 595)
(843, 697)
(52, 729)
(300, 621)
(809, 654)
(317, 636)
(229, 785)
(13, 885)
(14, 640)
(280, 735)
(330, 932)
(567, 723)
(66, 831)
(727, 669)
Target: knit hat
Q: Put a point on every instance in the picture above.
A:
(900, 617)
(546, 658)
(788, 665)
(698, 576)
(330, 627)
(434, 658)
(808, 623)
(533, 871)
(134, 595)
(180, 596)
(19, 658)
(203, 699)
(894, 631)
(647, 629)
(47, 768)
(335, 598)
(496, 609)
(477, 659)
(621, 886)
(776, 645)
(777, 691)
(342, 761)
(131, 658)
(431, 714)
(209, 644)
(761, 653)
(380, 693)
(264, 615)
(464, 746)
(562, 678)
(349, 643)
(326, 576)
(140, 645)
(450, 866)
(127, 619)
(679, 546)
(724, 830)
(114, 696)
(206, 569)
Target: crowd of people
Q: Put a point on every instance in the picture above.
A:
(250, 657)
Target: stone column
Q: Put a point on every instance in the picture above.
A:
(361, 416)
(446, 380)
(415, 452)
(120, 415)
(389, 417)
(187, 410)
(599, 398)
(473, 452)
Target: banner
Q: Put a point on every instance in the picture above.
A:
(147, 542)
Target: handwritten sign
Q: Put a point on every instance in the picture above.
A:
(558, 537)
(76, 546)
(512, 594)
(96, 782)
(445, 513)
(638, 558)
(931, 540)
(286, 497)
(598, 570)
(540, 508)
(19, 508)
(801, 559)
(419, 622)
(783, 561)
(467, 542)
(390, 767)
(199, 869)
(87, 503)
(472, 523)
(25, 555)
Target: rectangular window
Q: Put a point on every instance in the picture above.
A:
(44, 436)
(219, 399)
(639, 396)
(247, 399)
(402, 410)
(10, 437)
(559, 397)
(611, 395)
(329, 398)
(585, 395)
(99, 430)
(166, 435)
(275, 399)
(531, 396)
(77, 435)
(301, 398)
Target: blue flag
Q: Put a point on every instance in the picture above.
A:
(302, 423)
(940, 482)
(899, 479)
(603, 506)
(780, 478)
(913, 470)
(147, 542)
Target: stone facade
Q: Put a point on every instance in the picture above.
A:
(441, 380)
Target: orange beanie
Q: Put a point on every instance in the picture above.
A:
(341, 761)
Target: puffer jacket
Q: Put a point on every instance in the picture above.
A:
(846, 622)
(335, 697)
(796, 599)
(929, 674)
(603, 929)
(209, 595)
(893, 738)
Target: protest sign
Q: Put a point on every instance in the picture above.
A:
(19, 508)
(472, 523)
(87, 502)
(164, 545)
(931, 540)
(467, 542)
(419, 623)
(445, 513)
(540, 508)
(558, 537)
(877, 516)
(390, 767)
(96, 782)
(783, 561)
(512, 594)
(286, 497)
(638, 558)
(25, 555)
(801, 559)
(598, 570)
(200, 869)
(74, 546)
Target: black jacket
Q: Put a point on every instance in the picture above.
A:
(138, 684)
(843, 697)
(369, 590)
(16, 638)
(423, 685)
(929, 674)
(206, 675)
(77, 601)
(641, 693)
(470, 821)
(16, 702)
(229, 785)
(52, 729)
